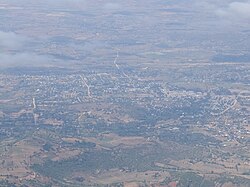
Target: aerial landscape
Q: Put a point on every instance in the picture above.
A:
(133, 93)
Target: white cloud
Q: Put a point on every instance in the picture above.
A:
(12, 53)
(23, 60)
(235, 10)
(112, 6)
(11, 40)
